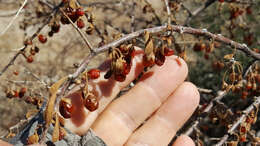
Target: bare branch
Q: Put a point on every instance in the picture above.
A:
(239, 121)
(210, 105)
(12, 21)
(168, 11)
(79, 31)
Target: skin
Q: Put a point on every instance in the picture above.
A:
(152, 112)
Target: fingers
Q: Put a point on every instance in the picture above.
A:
(105, 90)
(3, 143)
(128, 112)
(162, 126)
(183, 140)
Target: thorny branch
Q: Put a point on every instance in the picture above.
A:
(240, 120)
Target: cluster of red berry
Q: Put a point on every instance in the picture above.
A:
(16, 93)
(74, 15)
(89, 100)
(121, 62)
(33, 49)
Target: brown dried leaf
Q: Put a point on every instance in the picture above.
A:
(229, 56)
(72, 4)
(31, 113)
(50, 106)
(33, 139)
(148, 43)
(10, 135)
(56, 130)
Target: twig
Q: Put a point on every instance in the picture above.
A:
(133, 17)
(157, 29)
(37, 78)
(12, 21)
(210, 105)
(198, 11)
(203, 90)
(241, 2)
(154, 12)
(10, 13)
(20, 51)
(168, 11)
(79, 31)
(240, 120)
(11, 62)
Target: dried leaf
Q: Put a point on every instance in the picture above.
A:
(72, 4)
(229, 56)
(10, 135)
(31, 113)
(33, 139)
(56, 130)
(148, 43)
(50, 106)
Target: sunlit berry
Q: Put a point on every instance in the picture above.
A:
(120, 77)
(65, 109)
(91, 103)
(29, 59)
(93, 74)
(80, 12)
(42, 38)
(80, 23)
(168, 52)
(22, 92)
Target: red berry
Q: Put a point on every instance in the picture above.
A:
(22, 92)
(249, 85)
(80, 23)
(80, 12)
(147, 62)
(249, 10)
(55, 27)
(64, 20)
(36, 49)
(93, 73)
(242, 138)
(120, 77)
(16, 73)
(42, 38)
(29, 59)
(168, 52)
(126, 69)
(65, 109)
(16, 93)
(242, 129)
(244, 94)
(28, 42)
(199, 47)
(159, 59)
(73, 16)
(91, 103)
(206, 56)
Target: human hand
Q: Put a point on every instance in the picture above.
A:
(164, 98)
(149, 114)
